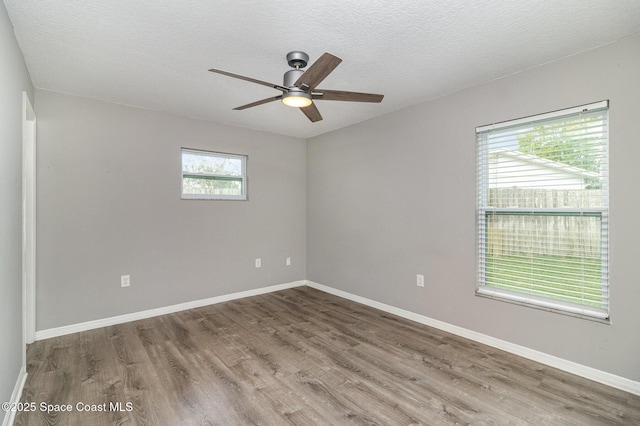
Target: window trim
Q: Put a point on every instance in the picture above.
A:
(242, 179)
(544, 116)
(482, 210)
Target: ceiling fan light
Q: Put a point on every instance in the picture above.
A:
(297, 99)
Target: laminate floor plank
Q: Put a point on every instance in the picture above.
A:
(301, 357)
(395, 376)
(525, 369)
(450, 347)
(477, 397)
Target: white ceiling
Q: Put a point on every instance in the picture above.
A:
(155, 53)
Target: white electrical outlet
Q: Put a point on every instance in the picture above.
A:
(258, 263)
(420, 280)
(288, 261)
(125, 280)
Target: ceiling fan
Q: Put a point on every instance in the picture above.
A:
(299, 86)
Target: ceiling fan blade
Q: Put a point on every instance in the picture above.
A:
(318, 71)
(312, 112)
(252, 80)
(340, 95)
(260, 102)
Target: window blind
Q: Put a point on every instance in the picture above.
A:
(542, 210)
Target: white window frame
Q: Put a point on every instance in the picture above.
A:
(243, 178)
(550, 304)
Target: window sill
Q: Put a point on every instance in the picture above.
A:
(544, 305)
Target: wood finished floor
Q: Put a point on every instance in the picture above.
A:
(303, 357)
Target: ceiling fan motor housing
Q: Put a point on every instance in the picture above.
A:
(291, 76)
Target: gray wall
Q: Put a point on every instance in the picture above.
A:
(109, 204)
(14, 78)
(394, 197)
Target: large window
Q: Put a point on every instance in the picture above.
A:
(543, 211)
(213, 175)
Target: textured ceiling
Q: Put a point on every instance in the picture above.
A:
(155, 53)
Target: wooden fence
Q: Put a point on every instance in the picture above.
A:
(544, 198)
(554, 235)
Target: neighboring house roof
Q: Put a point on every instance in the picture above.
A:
(508, 167)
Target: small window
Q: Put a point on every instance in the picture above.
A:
(543, 211)
(213, 175)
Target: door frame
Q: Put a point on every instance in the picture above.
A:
(28, 223)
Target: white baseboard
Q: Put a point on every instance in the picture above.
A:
(120, 319)
(590, 373)
(9, 416)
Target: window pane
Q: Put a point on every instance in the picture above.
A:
(205, 163)
(557, 256)
(553, 277)
(211, 186)
(566, 153)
